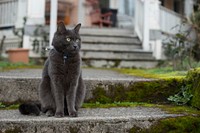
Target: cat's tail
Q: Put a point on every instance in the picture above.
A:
(30, 109)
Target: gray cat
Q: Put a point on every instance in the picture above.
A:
(62, 90)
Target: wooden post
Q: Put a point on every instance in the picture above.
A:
(53, 20)
(21, 13)
(81, 12)
(146, 29)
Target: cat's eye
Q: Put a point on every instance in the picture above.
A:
(77, 40)
(68, 39)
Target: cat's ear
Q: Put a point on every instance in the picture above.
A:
(61, 28)
(77, 28)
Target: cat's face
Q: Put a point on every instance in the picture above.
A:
(67, 41)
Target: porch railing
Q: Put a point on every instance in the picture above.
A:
(150, 16)
(169, 21)
(142, 22)
(8, 12)
(139, 18)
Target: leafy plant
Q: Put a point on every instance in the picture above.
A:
(20, 32)
(179, 50)
(41, 41)
(2, 105)
(183, 49)
(1, 45)
(195, 22)
(183, 97)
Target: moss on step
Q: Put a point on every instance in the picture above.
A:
(193, 80)
(156, 91)
(5, 66)
(13, 130)
(174, 109)
(184, 124)
(156, 73)
(117, 104)
(5, 106)
(168, 108)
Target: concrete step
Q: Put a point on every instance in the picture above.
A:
(110, 47)
(112, 120)
(106, 63)
(22, 86)
(11, 42)
(106, 32)
(24, 83)
(117, 55)
(111, 40)
(113, 47)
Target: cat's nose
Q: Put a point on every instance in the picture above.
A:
(75, 47)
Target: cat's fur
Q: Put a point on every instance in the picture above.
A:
(62, 90)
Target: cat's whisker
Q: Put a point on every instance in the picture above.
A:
(48, 48)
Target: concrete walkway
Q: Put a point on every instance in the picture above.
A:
(89, 73)
(112, 120)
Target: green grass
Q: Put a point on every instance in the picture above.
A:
(2, 105)
(172, 109)
(157, 73)
(184, 124)
(116, 104)
(4, 66)
(8, 107)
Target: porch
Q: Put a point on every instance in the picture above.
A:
(147, 23)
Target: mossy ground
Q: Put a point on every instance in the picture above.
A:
(193, 80)
(5, 65)
(184, 124)
(14, 130)
(156, 91)
(156, 73)
(190, 79)
(173, 109)
(4, 106)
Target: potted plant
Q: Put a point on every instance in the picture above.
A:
(19, 54)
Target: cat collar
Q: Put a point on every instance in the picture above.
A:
(65, 56)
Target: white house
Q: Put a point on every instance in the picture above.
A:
(148, 18)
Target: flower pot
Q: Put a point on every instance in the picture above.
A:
(18, 55)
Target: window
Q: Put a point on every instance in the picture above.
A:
(8, 12)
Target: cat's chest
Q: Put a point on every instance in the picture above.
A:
(66, 70)
(70, 69)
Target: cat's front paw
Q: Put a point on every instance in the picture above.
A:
(59, 114)
(50, 113)
(73, 114)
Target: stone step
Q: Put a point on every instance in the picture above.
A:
(117, 55)
(111, 40)
(24, 83)
(110, 47)
(112, 120)
(106, 32)
(106, 63)
(11, 42)
(22, 86)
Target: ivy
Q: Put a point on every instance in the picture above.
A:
(2, 105)
(183, 97)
